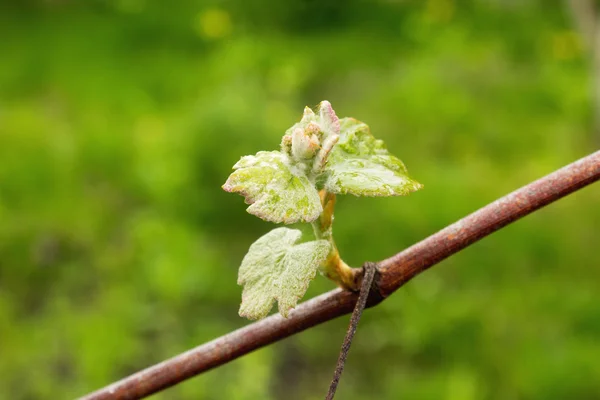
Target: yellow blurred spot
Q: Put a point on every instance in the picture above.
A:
(213, 23)
(566, 45)
(462, 385)
(439, 10)
(149, 132)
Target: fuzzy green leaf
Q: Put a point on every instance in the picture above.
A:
(276, 190)
(361, 165)
(276, 268)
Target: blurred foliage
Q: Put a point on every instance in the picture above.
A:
(119, 121)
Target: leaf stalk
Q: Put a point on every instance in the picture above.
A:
(333, 267)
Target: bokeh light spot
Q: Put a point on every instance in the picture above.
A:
(440, 10)
(214, 23)
(566, 45)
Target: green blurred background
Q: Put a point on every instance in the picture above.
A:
(119, 121)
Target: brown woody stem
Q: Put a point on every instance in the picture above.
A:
(395, 272)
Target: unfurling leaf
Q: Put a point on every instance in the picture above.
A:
(277, 190)
(276, 268)
(361, 165)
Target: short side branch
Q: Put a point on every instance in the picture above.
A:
(370, 270)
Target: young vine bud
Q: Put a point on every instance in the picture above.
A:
(304, 144)
(286, 144)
